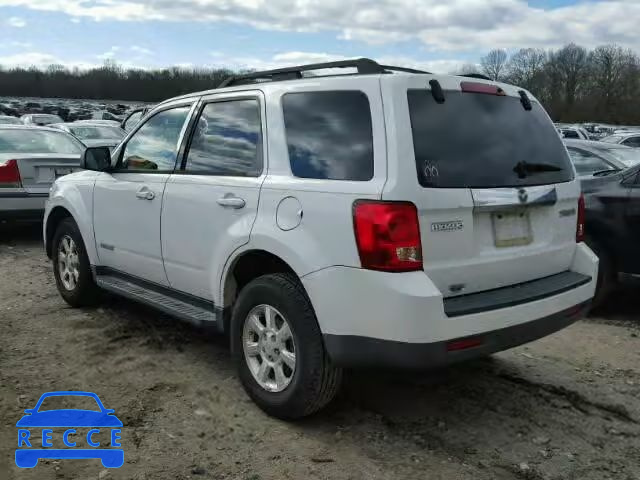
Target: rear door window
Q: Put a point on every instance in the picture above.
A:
(329, 135)
(227, 140)
(482, 141)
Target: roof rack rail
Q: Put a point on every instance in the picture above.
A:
(363, 65)
(476, 75)
(403, 69)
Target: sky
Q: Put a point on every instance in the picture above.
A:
(437, 35)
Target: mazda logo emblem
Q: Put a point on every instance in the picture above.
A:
(523, 196)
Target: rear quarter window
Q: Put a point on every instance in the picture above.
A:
(484, 141)
(329, 135)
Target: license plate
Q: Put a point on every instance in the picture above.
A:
(61, 172)
(511, 229)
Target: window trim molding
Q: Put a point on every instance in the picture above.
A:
(254, 95)
(192, 103)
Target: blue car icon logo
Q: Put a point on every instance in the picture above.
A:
(36, 429)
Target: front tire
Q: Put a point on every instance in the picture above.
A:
(280, 355)
(71, 266)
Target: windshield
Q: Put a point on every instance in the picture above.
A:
(474, 140)
(37, 141)
(627, 155)
(65, 402)
(93, 132)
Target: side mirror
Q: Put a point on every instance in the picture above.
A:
(97, 159)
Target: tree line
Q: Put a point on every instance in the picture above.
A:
(108, 82)
(573, 83)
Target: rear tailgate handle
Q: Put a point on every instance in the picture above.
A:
(492, 199)
(231, 201)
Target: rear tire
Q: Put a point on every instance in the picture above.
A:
(607, 281)
(71, 267)
(313, 382)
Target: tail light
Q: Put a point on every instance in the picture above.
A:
(581, 213)
(9, 175)
(388, 235)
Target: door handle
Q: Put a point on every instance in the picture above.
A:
(145, 194)
(231, 201)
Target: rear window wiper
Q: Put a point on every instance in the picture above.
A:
(525, 168)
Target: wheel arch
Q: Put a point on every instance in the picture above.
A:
(244, 267)
(57, 215)
(60, 209)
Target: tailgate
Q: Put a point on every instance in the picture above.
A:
(491, 239)
(495, 189)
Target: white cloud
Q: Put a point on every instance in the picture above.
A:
(140, 50)
(285, 59)
(40, 60)
(454, 25)
(222, 60)
(16, 22)
(109, 54)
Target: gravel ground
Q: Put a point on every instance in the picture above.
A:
(565, 407)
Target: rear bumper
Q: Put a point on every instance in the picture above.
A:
(406, 316)
(22, 206)
(364, 352)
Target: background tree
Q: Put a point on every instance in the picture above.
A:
(573, 84)
(493, 64)
(526, 68)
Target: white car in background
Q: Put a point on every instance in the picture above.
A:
(387, 218)
(31, 159)
(629, 139)
(576, 133)
(40, 119)
(9, 120)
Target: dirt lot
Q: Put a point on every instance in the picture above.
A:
(566, 407)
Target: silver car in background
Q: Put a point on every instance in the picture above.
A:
(31, 158)
(599, 158)
(93, 134)
(629, 138)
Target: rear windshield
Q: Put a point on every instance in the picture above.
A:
(612, 139)
(27, 140)
(482, 141)
(46, 119)
(627, 155)
(91, 132)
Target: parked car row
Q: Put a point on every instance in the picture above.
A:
(629, 136)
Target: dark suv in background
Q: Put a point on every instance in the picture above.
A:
(613, 227)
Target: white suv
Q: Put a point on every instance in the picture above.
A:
(383, 218)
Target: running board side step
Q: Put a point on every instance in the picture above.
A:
(196, 311)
